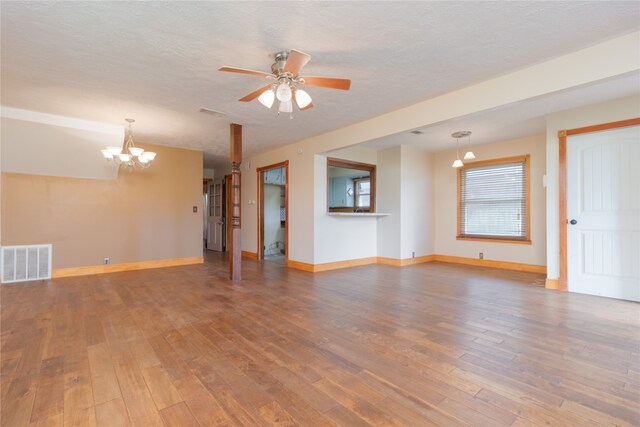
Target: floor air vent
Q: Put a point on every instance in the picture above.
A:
(23, 263)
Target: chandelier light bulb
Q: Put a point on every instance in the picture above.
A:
(107, 154)
(457, 163)
(150, 155)
(283, 92)
(143, 159)
(266, 98)
(302, 98)
(469, 155)
(114, 150)
(125, 157)
(135, 151)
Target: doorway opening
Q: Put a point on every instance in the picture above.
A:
(273, 212)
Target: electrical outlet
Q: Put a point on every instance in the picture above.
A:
(106, 261)
(481, 255)
(195, 209)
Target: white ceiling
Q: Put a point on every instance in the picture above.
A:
(157, 61)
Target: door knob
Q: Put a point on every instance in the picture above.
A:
(573, 222)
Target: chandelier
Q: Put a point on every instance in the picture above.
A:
(129, 155)
(469, 154)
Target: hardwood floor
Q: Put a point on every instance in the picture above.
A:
(430, 344)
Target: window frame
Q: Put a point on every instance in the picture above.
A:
(348, 164)
(526, 159)
(356, 193)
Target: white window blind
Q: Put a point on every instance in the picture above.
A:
(493, 200)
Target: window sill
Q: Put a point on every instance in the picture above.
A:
(489, 239)
(357, 214)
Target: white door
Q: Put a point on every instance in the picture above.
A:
(216, 229)
(603, 208)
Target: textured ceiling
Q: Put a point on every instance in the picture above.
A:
(157, 61)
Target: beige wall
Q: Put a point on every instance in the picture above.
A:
(388, 200)
(143, 215)
(446, 205)
(417, 203)
(45, 144)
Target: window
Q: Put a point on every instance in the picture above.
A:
(363, 193)
(351, 186)
(493, 200)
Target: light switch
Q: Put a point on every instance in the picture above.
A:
(195, 209)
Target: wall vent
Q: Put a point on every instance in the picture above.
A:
(24, 263)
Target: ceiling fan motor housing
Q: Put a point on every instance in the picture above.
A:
(281, 59)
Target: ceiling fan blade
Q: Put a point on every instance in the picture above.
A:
(328, 82)
(295, 61)
(253, 95)
(307, 107)
(244, 71)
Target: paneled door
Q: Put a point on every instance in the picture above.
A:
(216, 225)
(603, 210)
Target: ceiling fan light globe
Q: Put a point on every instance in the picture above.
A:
(283, 92)
(302, 98)
(266, 98)
(469, 155)
(286, 107)
(457, 163)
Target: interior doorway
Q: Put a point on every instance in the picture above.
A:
(273, 212)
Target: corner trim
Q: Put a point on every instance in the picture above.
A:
(248, 254)
(344, 264)
(553, 284)
(315, 268)
(114, 268)
(532, 268)
(401, 262)
(301, 266)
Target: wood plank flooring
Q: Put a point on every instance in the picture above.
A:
(430, 344)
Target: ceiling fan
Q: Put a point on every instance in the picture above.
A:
(285, 83)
